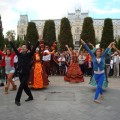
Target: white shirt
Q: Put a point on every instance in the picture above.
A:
(98, 60)
(61, 60)
(116, 59)
(81, 59)
(15, 59)
(46, 57)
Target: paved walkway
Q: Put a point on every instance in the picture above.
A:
(63, 101)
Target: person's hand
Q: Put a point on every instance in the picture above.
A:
(9, 38)
(66, 46)
(112, 43)
(113, 46)
(82, 41)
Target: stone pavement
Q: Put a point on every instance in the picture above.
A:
(63, 101)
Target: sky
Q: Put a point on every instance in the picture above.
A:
(10, 10)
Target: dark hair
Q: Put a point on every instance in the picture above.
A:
(9, 50)
(98, 49)
(28, 45)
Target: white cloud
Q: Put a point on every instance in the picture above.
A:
(107, 11)
(47, 9)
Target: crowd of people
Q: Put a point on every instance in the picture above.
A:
(35, 64)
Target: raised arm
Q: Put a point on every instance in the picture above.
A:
(87, 48)
(108, 49)
(36, 45)
(68, 49)
(14, 48)
(93, 47)
(1, 53)
(79, 50)
(114, 47)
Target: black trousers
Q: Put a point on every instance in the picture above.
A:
(23, 86)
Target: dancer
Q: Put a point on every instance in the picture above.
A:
(24, 63)
(46, 60)
(74, 73)
(98, 67)
(92, 79)
(9, 69)
(40, 77)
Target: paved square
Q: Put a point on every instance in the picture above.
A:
(63, 101)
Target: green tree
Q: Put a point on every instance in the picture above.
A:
(88, 32)
(65, 37)
(49, 34)
(107, 33)
(11, 33)
(32, 33)
(2, 43)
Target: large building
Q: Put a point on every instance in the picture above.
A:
(76, 20)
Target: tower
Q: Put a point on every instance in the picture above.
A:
(22, 26)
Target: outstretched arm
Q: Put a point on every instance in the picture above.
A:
(93, 47)
(1, 53)
(114, 47)
(108, 49)
(14, 48)
(68, 49)
(36, 45)
(79, 50)
(88, 49)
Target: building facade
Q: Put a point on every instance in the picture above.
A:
(76, 20)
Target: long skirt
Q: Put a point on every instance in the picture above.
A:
(74, 74)
(38, 77)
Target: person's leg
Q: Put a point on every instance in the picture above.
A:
(99, 79)
(117, 70)
(114, 70)
(10, 79)
(21, 87)
(28, 92)
(7, 85)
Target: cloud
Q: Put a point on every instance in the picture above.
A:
(107, 11)
(50, 9)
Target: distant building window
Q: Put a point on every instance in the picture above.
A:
(77, 30)
(22, 31)
(97, 31)
(77, 42)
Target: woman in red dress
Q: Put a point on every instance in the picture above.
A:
(74, 73)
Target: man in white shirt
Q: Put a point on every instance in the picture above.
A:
(81, 60)
(46, 60)
(116, 60)
(61, 61)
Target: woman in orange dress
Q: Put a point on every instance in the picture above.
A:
(38, 78)
(74, 73)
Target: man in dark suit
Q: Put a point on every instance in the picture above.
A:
(24, 64)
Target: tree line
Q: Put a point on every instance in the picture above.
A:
(65, 35)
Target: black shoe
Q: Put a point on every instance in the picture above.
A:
(2, 84)
(29, 99)
(17, 103)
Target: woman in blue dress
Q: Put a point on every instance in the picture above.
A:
(98, 60)
(92, 79)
